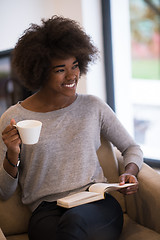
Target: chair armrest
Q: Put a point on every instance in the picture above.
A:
(144, 206)
(2, 237)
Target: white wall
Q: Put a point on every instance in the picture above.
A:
(69, 8)
(17, 15)
(92, 22)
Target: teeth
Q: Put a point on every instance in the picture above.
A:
(70, 85)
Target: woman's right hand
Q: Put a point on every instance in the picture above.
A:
(11, 139)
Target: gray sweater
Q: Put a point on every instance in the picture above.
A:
(64, 160)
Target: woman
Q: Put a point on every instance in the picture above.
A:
(49, 59)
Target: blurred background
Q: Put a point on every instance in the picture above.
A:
(127, 75)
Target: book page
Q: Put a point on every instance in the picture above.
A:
(107, 187)
(96, 192)
(99, 187)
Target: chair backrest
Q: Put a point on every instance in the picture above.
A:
(14, 216)
(108, 161)
(110, 166)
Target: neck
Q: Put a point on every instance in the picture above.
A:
(57, 102)
(42, 102)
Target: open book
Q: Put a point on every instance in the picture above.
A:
(95, 192)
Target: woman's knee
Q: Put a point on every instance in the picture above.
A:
(72, 226)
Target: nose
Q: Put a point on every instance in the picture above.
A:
(70, 75)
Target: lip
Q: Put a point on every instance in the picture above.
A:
(69, 85)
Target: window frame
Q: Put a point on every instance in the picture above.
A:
(108, 60)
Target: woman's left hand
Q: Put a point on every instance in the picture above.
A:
(128, 178)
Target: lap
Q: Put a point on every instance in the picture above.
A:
(86, 221)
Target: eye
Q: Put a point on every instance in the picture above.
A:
(75, 66)
(59, 71)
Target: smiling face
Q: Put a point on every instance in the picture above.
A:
(64, 77)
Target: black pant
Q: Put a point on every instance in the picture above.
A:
(102, 220)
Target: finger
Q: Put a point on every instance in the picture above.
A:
(11, 137)
(122, 180)
(130, 190)
(128, 178)
(8, 129)
(9, 134)
(12, 122)
(14, 137)
(133, 188)
(125, 178)
(132, 179)
(13, 143)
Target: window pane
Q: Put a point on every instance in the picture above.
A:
(145, 49)
(4, 80)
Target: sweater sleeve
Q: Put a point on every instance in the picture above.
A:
(8, 184)
(115, 132)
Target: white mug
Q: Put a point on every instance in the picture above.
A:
(29, 131)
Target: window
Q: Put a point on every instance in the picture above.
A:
(135, 64)
(11, 90)
(145, 63)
